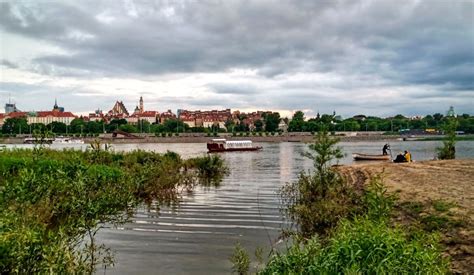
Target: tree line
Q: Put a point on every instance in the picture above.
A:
(269, 123)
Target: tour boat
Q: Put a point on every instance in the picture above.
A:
(223, 145)
(358, 156)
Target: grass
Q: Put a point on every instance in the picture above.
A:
(363, 246)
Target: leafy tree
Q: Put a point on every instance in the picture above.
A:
(258, 125)
(57, 127)
(297, 123)
(271, 122)
(17, 125)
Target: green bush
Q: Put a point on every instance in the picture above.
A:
(363, 246)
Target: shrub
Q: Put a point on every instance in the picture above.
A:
(317, 201)
(363, 246)
(448, 151)
(240, 260)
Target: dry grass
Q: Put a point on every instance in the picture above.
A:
(427, 187)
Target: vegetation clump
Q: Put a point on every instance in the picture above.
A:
(362, 246)
(448, 151)
(52, 203)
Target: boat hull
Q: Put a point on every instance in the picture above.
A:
(222, 150)
(358, 156)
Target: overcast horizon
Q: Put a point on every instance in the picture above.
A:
(378, 58)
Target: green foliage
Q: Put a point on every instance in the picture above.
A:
(448, 151)
(377, 202)
(53, 202)
(17, 125)
(442, 206)
(363, 246)
(240, 260)
(318, 200)
(271, 122)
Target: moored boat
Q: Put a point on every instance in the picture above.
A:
(358, 156)
(62, 140)
(223, 145)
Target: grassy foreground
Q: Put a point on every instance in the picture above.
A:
(53, 202)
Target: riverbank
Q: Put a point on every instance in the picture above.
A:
(434, 196)
(202, 138)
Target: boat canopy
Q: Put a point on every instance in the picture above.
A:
(239, 144)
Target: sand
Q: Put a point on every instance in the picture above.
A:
(426, 182)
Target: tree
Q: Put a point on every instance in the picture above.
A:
(77, 125)
(229, 125)
(258, 125)
(17, 125)
(297, 123)
(57, 127)
(271, 122)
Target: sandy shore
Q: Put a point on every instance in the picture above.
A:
(427, 183)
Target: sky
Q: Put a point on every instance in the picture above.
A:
(369, 57)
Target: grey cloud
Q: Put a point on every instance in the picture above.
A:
(233, 89)
(365, 43)
(8, 64)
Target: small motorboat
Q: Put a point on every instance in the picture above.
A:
(358, 156)
(222, 145)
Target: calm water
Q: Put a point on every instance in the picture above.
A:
(199, 236)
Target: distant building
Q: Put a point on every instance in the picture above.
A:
(46, 117)
(56, 108)
(10, 108)
(205, 118)
(150, 116)
(359, 117)
(119, 110)
(98, 115)
(451, 112)
(166, 116)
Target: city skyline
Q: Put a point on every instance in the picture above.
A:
(176, 110)
(376, 57)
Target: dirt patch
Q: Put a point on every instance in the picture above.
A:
(436, 195)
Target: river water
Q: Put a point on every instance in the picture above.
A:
(199, 236)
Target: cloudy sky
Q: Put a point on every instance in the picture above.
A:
(374, 57)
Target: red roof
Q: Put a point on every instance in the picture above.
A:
(16, 114)
(54, 114)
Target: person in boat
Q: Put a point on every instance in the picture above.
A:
(385, 148)
(407, 156)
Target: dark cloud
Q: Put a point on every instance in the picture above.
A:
(8, 64)
(358, 45)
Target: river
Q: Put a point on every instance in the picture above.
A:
(199, 236)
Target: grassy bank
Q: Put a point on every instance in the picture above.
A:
(53, 202)
(352, 224)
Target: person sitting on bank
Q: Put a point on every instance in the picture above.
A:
(385, 148)
(407, 156)
(400, 158)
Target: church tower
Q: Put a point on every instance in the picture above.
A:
(142, 108)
